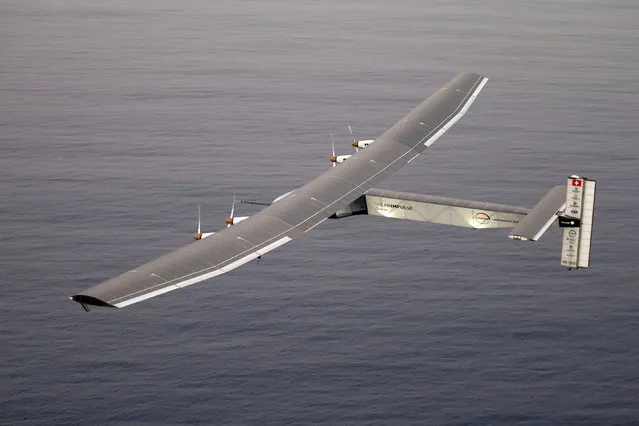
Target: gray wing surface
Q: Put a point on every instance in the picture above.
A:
(298, 212)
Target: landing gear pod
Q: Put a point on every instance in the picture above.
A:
(580, 209)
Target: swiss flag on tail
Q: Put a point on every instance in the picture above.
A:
(577, 182)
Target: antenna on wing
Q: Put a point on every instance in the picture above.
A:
(229, 220)
(354, 141)
(333, 157)
(256, 203)
(198, 234)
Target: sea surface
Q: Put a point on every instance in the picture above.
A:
(119, 118)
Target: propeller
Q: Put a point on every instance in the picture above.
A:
(333, 157)
(198, 234)
(354, 143)
(229, 220)
(359, 144)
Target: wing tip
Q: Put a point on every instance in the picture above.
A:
(87, 301)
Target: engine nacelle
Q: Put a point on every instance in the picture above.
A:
(338, 158)
(362, 144)
(356, 207)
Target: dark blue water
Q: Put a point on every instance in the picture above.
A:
(118, 118)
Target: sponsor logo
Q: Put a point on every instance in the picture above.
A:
(576, 182)
(572, 233)
(496, 219)
(392, 206)
(482, 218)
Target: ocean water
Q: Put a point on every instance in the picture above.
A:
(117, 119)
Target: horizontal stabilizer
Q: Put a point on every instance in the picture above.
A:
(541, 216)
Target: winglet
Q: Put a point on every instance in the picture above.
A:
(87, 301)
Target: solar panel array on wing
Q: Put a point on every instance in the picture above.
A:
(298, 212)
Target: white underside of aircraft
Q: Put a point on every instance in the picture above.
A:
(348, 190)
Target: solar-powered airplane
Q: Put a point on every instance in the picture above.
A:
(348, 190)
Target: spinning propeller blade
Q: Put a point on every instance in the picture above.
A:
(233, 206)
(198, 234)
(333, 157)
(354, 143)
(229, 220)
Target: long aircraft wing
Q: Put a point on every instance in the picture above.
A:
(298, 212)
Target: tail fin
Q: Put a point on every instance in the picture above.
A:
(577, 222)
(571, 208)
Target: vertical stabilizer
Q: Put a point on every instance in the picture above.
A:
(577, 222)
